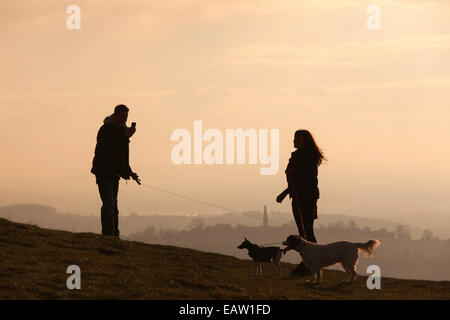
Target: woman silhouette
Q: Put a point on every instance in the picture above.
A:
(301, 173)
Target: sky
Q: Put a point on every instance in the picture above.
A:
(377, 101)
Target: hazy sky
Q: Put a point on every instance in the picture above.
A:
(377, 101)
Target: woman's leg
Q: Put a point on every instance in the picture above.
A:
(297, 217)
(302, 269)
(309, 207)
(309, 211)
(309, 227)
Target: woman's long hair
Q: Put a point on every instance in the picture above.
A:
(311, 143)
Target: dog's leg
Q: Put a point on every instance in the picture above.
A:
(260, 269)
(346, 277)
(352, 266)
(315, 278)
(352, 273)
(347, 272)
(257, 267)
(277, 262)
(315, 270)
(318, 276)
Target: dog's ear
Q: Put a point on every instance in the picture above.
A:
(245, 239)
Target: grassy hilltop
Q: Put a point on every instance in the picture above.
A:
(33, 263)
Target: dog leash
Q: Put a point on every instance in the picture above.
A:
(209, 204)
(268, 244)
(216, 206)
(292, 185)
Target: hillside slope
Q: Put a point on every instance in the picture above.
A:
(33, 263)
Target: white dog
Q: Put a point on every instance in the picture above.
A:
(317, 256)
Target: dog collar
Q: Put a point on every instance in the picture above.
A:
(300, 247)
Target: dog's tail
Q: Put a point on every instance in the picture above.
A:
(368, 247)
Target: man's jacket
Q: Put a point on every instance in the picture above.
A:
(303, 161)
(111, 152)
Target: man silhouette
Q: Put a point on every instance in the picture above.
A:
(110, 163)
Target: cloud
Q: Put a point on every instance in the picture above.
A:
(343, 54)
(193, 99)
(173, 11)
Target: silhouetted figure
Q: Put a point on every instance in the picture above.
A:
(110, 163)
(301, 173)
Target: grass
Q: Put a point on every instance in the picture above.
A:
(33, 263)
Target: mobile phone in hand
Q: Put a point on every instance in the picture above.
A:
(133, 124)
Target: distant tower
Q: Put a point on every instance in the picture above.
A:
(265, 217)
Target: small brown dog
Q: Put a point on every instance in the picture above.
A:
(317, 256)
(262, 254)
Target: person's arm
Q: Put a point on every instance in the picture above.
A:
(282, 195)
(135, 177)
(129, 132)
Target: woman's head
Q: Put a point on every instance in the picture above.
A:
(304, 139)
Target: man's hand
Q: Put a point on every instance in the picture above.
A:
(135, 177)
(129, 131)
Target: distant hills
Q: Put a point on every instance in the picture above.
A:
(49, 217)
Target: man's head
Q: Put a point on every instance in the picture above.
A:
(121, 114)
